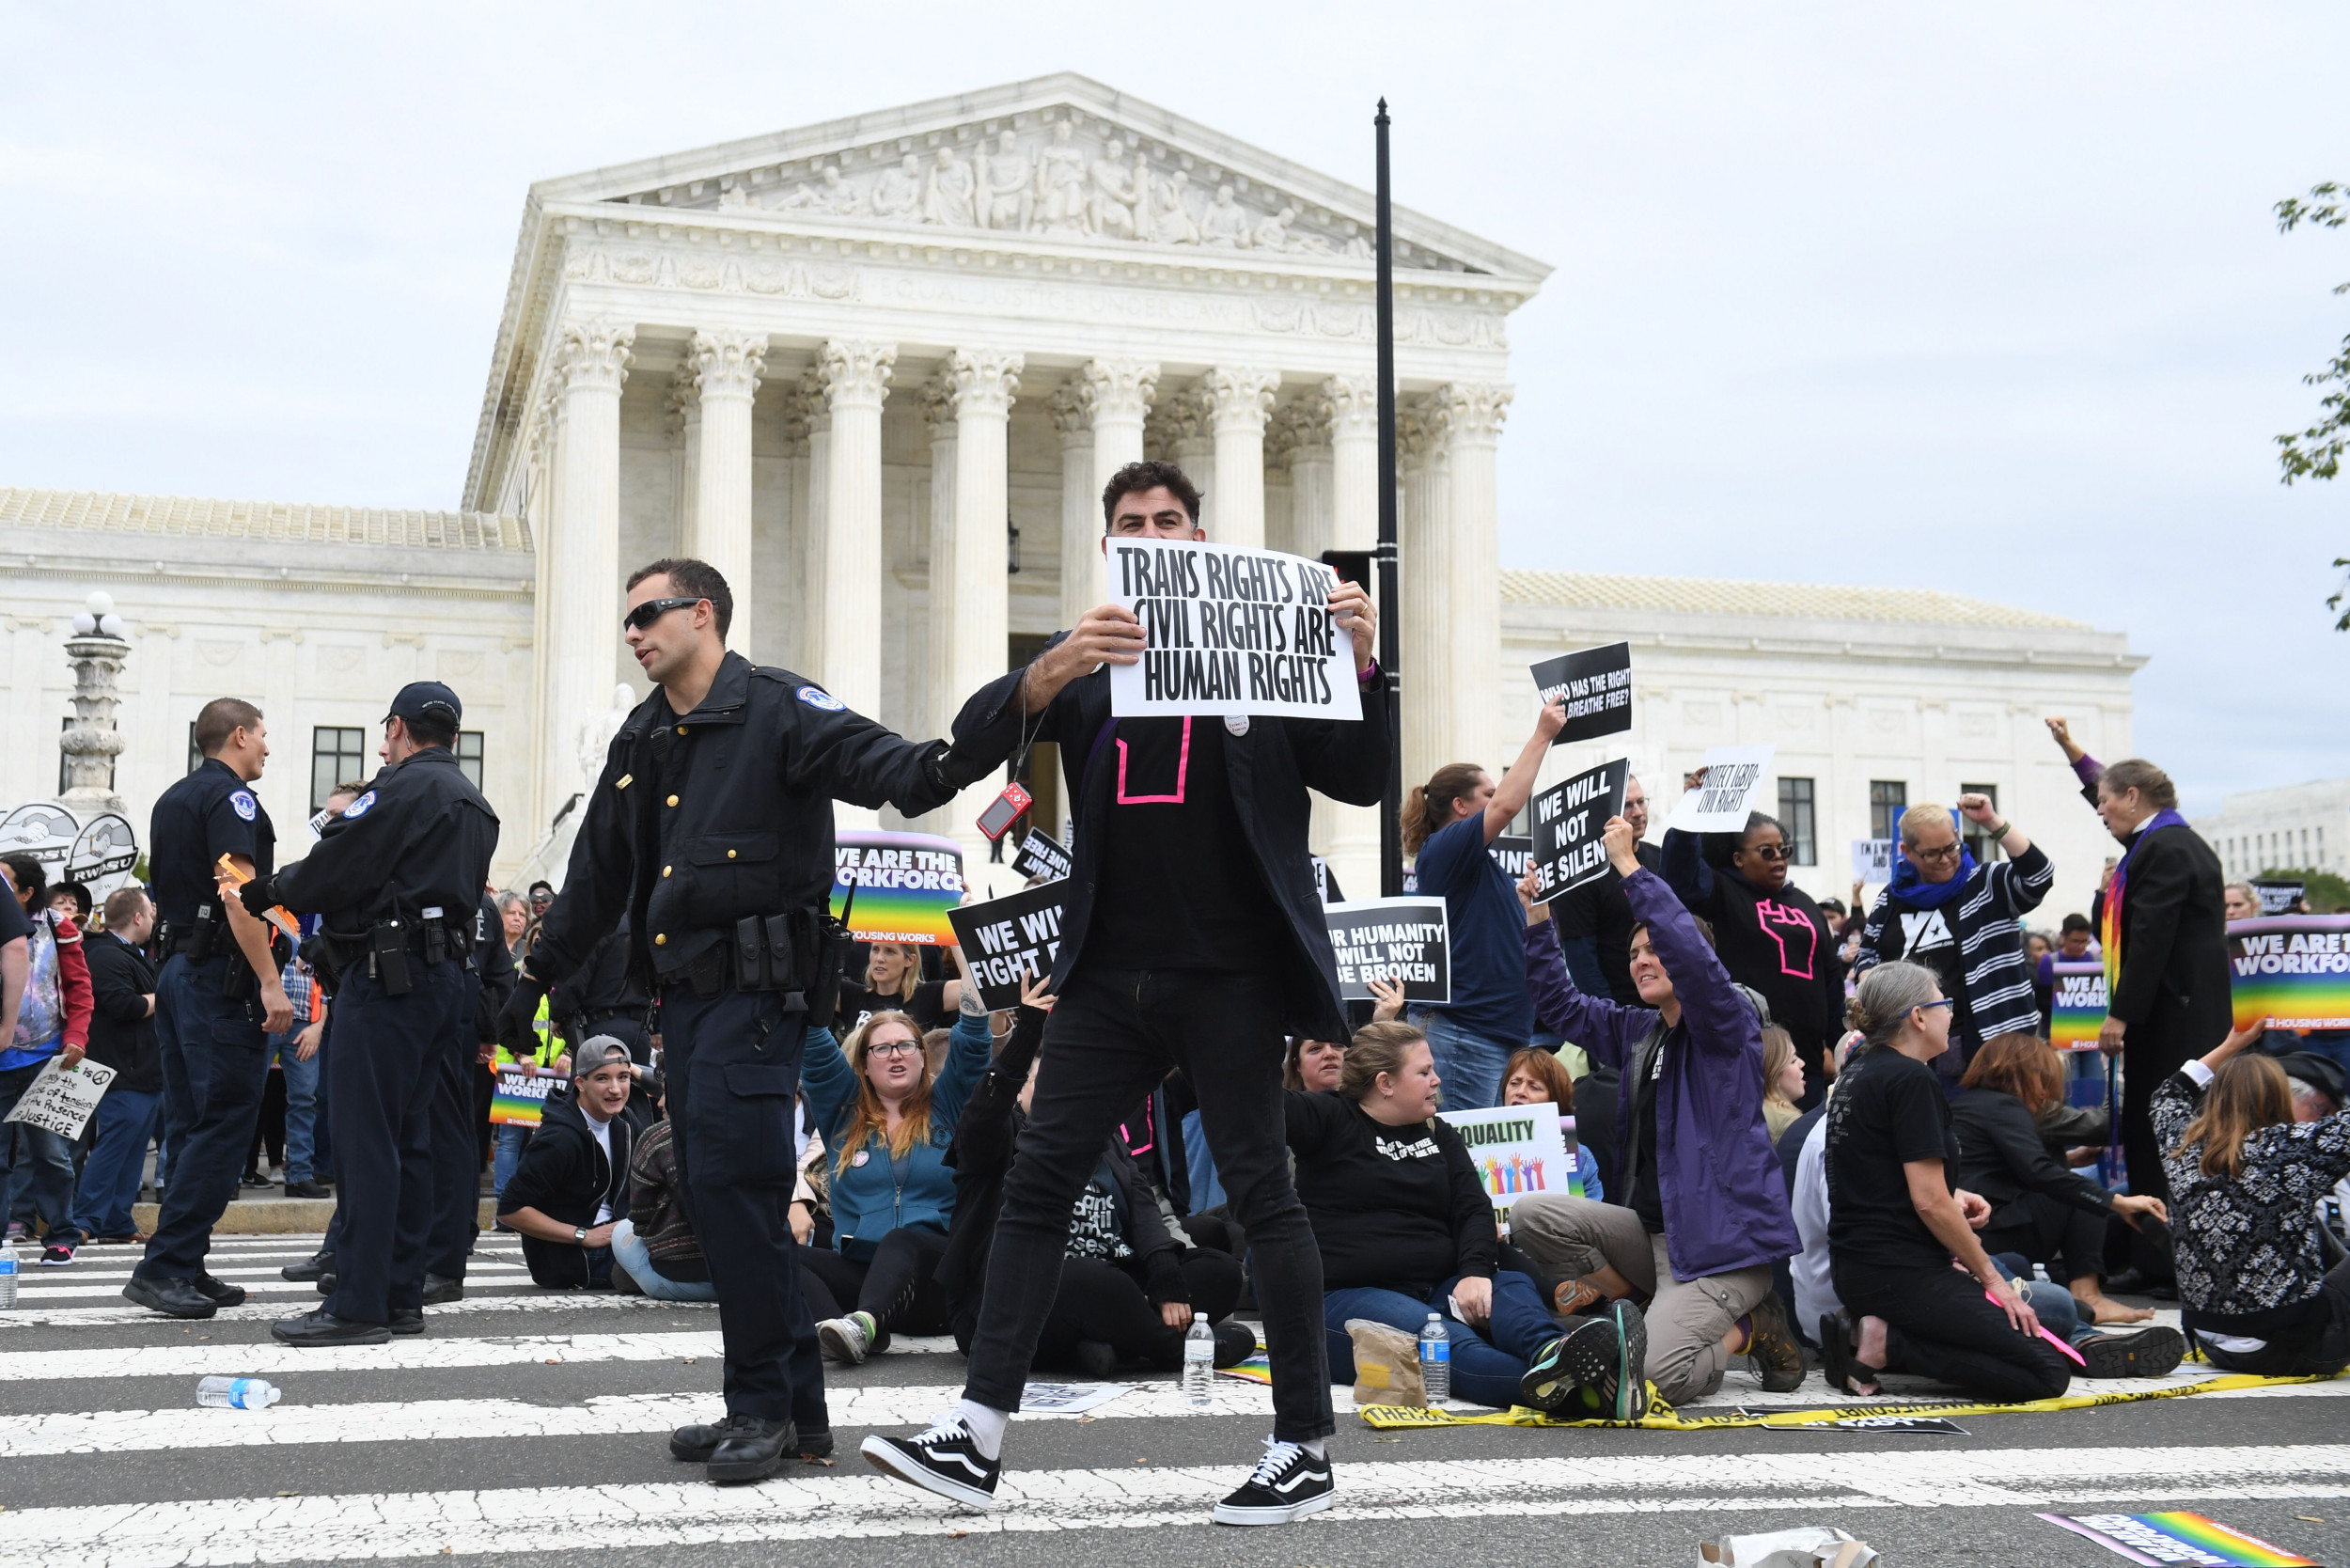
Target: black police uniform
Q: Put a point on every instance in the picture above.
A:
(709, 831)
(456, 1146)
(208, 1012)
(398, 877)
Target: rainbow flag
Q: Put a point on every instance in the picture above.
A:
(2078, 1009)
(2292, 971)
(905, 884)
(519, 1097)
(2178, 1538)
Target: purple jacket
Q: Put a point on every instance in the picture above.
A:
(1724, 1191)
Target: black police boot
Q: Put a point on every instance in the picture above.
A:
(750, 1449)
(220, 1292)
(407, 1320)
(439, 1290)
(326, 1283)
(324, 1327)
(173, 1299)
(317, 1266)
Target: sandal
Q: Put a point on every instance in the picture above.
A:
(1839, 1362)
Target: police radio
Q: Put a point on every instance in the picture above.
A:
(1003, 811)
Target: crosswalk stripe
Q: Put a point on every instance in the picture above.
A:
(424, 1353)
(517, 1299)
(800, 1506)
(53, 1279)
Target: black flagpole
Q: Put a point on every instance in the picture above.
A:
(1391, 800)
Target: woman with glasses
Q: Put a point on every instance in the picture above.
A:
(1772, 938)
(1896, 1221)
(1963, 920)
(887, 1122)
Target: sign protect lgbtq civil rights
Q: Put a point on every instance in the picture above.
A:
(1406, 939)
(1596, 686)
(905, 884)
(1569, 817)
(1006, 938)
(1229, 631)
(1733, 777)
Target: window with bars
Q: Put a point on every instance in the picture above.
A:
(468, 750)
(1799, 814)
(338, 755)
(1888, 799)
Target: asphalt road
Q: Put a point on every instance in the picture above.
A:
(532, 1426)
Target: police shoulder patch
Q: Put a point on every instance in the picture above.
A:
(361, 807)
(816, 696)
(244, 805)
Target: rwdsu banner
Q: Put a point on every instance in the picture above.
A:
(1229, 631)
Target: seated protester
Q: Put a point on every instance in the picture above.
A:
(1783, 1082)
(1895, 1220)
(888, 1123)
(2245, 1179)
(1314, 1065)
(655, 1245)
(1405, 1227)
(2039, 1207)
(571, 1184)
(1707, 1201)
(893, 982)
(1535, 1077)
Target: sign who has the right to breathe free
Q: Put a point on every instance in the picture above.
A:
(1596, 686)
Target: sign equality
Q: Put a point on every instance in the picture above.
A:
(1596, 686)
(1569, 817)
(1733, 777)
(1007, 938)
(1041, 854)
(1408, 939)
(60, 1099)
(1229, 631)
(905, 884)
(1516, 1150)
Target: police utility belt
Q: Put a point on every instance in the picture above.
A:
(206, 938)
(798, 954)
(388, 948)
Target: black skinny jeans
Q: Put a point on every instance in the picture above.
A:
(2070, 1241)
(2320, 1350)
(1099, 1300)
(1940, 1325)
(1110, 1040)
(898, 1286)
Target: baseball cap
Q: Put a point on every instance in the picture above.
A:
(600, 1050)
(427, 700)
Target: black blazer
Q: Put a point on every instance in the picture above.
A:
(121, 1029)
(1271, 767)
(2001, 1157)
(2175, 987)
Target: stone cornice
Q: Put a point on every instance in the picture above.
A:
(65, 566)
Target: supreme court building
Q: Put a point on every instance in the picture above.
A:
(877, 372)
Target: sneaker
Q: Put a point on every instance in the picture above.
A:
(1582, 1357)
(1386, 1365)
(2143, 1352)
(944, 1459)
(16, 1232)
(846, 1340)
(1631, 1386)
(1235, 1342)
(1771, 1343)
(1289, 1483)
(59, 1255)
(1096, 1359)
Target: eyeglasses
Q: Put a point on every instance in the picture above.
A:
(1947, 851)
(1929, 1007)
(1769, 852)
(651, 610)
(894, 1048)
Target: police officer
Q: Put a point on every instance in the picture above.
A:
(398, 877)
(456, 1144)
(711, 829)
(218, 998)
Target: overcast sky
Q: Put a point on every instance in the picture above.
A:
(1985, 297)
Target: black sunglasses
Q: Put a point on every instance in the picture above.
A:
(1767, 851)
(651, 610)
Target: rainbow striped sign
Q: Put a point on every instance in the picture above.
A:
(905, 884)
(2178, 1538)
(2292, 971)
(519, 1097)
(2077, 1003)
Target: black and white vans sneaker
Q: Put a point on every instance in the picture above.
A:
(945, 1459)
(1289, 1484)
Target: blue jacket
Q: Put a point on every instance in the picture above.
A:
(1725, 1195)
(882, 1195)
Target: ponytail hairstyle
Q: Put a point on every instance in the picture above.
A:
(1377, 1049)
(1429, 806)
(2246, 1094)
(1887, 994)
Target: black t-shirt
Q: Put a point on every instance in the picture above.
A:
(1395, 1208)
(209, 813)
(927, 1007)
(1648, 1200)
(1888, 1110)
(1599, 910)
(1180, 887)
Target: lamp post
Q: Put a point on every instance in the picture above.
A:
(91, 743)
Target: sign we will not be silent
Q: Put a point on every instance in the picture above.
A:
(1229, 631)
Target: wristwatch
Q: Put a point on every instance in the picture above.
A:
(579, 1234)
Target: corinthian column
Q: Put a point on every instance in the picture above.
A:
(938, 666)
(580, 576)
(1425, 605)
(1114, 397)
(726, 367)
(1472, 414)
(976, 623)
(1348, 836)
(856, 378)
(1080, 521)
(1237, 402)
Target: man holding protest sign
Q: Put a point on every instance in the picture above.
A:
(1191, 935)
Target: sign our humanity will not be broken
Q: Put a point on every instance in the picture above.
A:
(1229, 631)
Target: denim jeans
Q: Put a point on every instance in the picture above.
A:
(512, 1140)
(38, 1164)
(1487, 1363)
(630, 1253)
(1469, 1064)
(110, 1177)
(302, 1102)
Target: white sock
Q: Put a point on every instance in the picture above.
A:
(986, 1424)
(1315, 1448)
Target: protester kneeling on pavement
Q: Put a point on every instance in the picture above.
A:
(572, 1182)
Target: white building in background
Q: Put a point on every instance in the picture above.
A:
(2300, 827)
(877, 370)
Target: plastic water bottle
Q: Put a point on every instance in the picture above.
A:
(236, 1394)
(1198, 1361)
(8, 1274)
(1435, 1359)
